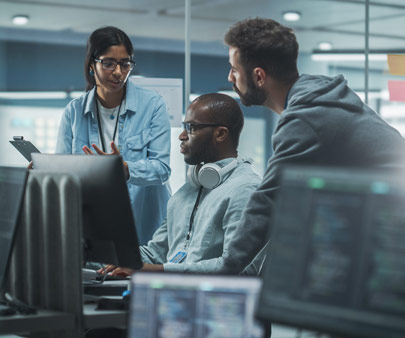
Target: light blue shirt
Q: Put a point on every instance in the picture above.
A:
(216, 222)
(144, 143)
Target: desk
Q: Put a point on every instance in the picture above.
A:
(93, 318)
(47, 320)
(44, 320)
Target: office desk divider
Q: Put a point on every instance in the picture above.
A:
(45, 269)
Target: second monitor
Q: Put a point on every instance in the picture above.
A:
(108, 224)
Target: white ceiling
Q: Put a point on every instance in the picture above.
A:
(338, 21)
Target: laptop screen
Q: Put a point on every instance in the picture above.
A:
(197, 306)
(12, 184)
(336, 260)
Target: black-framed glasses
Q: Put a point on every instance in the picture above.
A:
(111, 64)
(190, 127)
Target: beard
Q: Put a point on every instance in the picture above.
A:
(204, 153)
(197, 158)
(254, 95)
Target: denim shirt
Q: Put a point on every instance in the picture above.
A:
(216, 222)
(143, 141)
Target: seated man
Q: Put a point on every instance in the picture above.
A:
(201, 217)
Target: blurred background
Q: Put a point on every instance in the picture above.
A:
(42, 49)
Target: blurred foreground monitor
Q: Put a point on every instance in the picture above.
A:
(165, 305)
(336, 261)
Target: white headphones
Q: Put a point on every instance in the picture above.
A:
(210, 175)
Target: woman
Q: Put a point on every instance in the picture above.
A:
(115, 116)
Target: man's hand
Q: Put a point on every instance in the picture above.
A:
(115, 151)
(116, 271)
(123, 272)
(152, 267)
(108, 268)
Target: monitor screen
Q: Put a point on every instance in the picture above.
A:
(12, 185)
(336, 261)
(108, 224)
(193, 306)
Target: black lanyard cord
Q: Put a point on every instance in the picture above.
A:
(99, 119)
(197, 201)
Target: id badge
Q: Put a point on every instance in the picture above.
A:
(178, 257)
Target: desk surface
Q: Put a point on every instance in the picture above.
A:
(44, 320)
(103, 318)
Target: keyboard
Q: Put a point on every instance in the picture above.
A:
(89, 275)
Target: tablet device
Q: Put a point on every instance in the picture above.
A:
(26, 148)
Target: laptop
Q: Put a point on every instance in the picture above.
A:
(193, 306)
(336, 261)
(12, 186)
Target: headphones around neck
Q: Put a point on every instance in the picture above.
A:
(210, 175)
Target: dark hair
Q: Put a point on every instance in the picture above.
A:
(224, 110)
(266, 44)
(98, 43)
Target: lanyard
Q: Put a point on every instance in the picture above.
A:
(99, 119)
(197, 201)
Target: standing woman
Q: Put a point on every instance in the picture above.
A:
(115, 116)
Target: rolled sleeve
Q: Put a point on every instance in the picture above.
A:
(154, 169)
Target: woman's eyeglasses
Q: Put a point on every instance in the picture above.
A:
(111, 64)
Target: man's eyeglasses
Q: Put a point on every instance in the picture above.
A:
(192, 127)
(111, 64)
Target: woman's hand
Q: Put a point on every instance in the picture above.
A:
(115, 151)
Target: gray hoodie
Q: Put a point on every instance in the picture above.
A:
(324, 123)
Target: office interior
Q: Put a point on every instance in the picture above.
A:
(42, 54)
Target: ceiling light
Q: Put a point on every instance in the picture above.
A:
(291, 16)
(353, 54)
(325, 45)
(20, 19)
(33, 95)
(347, 57)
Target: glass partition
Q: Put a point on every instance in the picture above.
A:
(42, 60)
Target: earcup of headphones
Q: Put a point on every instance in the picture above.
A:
(210, 176)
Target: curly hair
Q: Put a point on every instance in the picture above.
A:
(266, 44)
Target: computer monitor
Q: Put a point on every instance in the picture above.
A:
(193, 306)
(12, 185)
(108, 224)
(336, 262)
